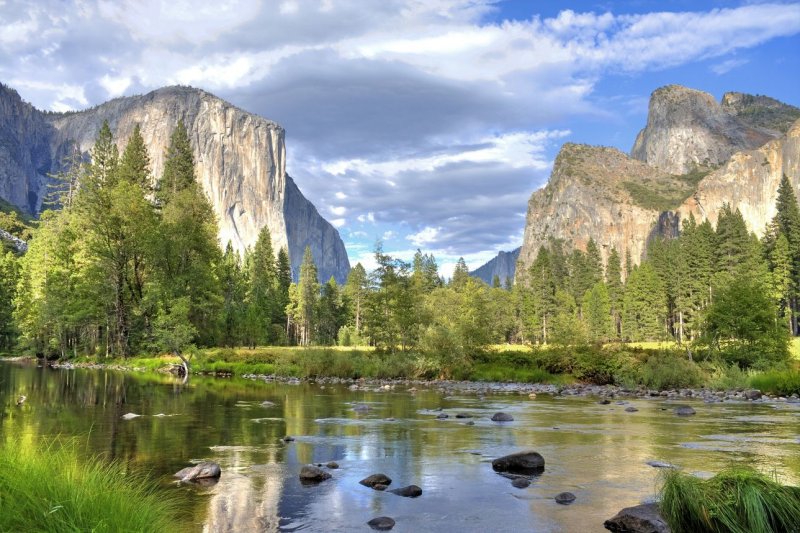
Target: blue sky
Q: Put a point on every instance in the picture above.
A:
(422, 123)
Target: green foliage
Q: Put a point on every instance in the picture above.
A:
(664, 194)
(742, 324)
(722, 376)
(779, 382)
(667, 371)
(52, 488)
(736, 500)
(644, 305)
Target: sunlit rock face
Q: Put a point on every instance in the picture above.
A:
(743, 147)
(240, 162)
(687, 129)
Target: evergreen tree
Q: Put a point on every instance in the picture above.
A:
(9, 273)
(496, 282)
(733, 245)
(134, 166)
(542, 294)
(460, 275)
(263, 287)
(615, 292)
(233, 283)
(644, 305)
(787, 220)
(331, 313)
(597, 315)
(306, 297)
(284, 271)
(178, 165)
(355, 293)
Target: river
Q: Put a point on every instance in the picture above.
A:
(598, 452)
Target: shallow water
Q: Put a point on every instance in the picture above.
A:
(598, 452)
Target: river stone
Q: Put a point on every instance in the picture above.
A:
(288, 438)
(442, 416)
(313, 474)
(753, 394)
(631, 409)
(382, 523)
(520, 463)
(411, 491)
(204, 470)
(661, 464)
(361, 408)
(684, 410)
(463, 415)
(332, 465)
(643, 518)
(502, 417)
(565, 498)
(376, 479)
(521, 482)
(604, 401)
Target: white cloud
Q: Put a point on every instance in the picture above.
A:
(424, 237)
(728, 65)
(340, 195)
(115, 86)
(338, 222)
(337, 210)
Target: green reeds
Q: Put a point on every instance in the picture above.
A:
(50, 488)
(736, 500)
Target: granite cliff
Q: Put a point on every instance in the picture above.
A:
(240, 162)
(693, 156)
(503, 265)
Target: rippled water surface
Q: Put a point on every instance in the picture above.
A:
(598, 452)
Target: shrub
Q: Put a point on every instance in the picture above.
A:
(722, 376)
(737, 500)
(666, 371)
(783, 383)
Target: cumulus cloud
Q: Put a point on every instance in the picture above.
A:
(428, 117)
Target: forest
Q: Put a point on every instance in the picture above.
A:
(125, 263)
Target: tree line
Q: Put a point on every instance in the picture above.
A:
(130, 264)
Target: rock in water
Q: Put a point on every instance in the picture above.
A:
(130, 416)
(313, 474)
(528, 463)
(382, 523)
(204, 470)
(240, 165)
(565, 498)
(333, 465)
(376, 479)
(411, 491)
(639, 519)
(684, 410)
(753, 394)
(502, 417)
(631, 409)
(521, 482)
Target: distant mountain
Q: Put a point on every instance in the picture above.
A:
(502, 266)
(693, 156)
(240, 162)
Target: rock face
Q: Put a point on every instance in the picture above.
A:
(503, 266)
(687, 129)
(748, 142)
(240, 162)
(16, 243)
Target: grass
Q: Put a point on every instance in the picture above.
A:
(736, 500)
(781, 383)
(50, 489)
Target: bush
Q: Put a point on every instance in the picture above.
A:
(722, 376)
(737, 500)
(50, 489)
(667, 371)
(782, 383)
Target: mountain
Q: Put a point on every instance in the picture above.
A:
(693, 156)
(240, 162)
(503, 265)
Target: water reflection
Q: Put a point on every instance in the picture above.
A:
(597, 452)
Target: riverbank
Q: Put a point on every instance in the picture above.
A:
(636, 372)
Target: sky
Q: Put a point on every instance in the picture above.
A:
(418, 123)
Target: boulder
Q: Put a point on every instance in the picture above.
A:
(684, 410)
(565, 498)
(643, 518)
(520, 463)
(502, 417)
(288, 438)
(631, 409)
(313, 474)
(463, 415)
(411, 491)
(332, 465)
(382, 523)
(442, 416)
(753, 394)
(204, 470)
(604, 401)
(376, 479)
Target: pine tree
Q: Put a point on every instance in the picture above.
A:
(263, 287)
(233, 283)
(284, 271)
(644, 305)
(178, 165)
(460, 275)
(615, 288)
(596, 309)
(307, 297)
(787, 221)
(542, 293)
(134, 167)
(355, 291)
(331, 313)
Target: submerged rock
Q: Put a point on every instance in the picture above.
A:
(631, 409)
(565, 498)
(753, 394)
(521, 482)
(661, 464)
(333, 465)
(684, 410)
(502, 417)
(313, 474)
(411, 491)
(382, 523)
(643, 518)
(376, 479)
(204, 470)
(288, 438)
(520, 463)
